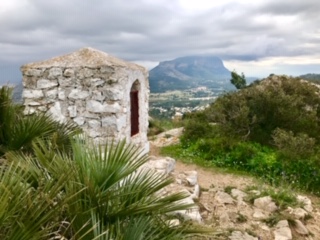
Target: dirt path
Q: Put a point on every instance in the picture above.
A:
(209, 177)
(211, 181)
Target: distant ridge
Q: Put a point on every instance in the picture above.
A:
(17, 91)
(188, 72)
(311, 76)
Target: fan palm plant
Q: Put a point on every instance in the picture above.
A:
(29, 210)
(119, 192)
(95, 193)
(17, 131)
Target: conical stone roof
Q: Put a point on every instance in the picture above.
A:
(85, 57)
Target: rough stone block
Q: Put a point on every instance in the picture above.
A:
(84, 73)
(94, 133)
(265, 203)
(69, 72)
(121, 122)
(52, 94)
(97, 107)
(61, 95)
(97, 95)
(114, 94)
(95, 124)
(79, 120)
(72, 111)
(78, 94)
(107, 70)
(191, 177)
(97, 82)
(29, 110)
(224, 198)
(66, 82)
(54, 73)
(35, 94)
(44, 83)
(29, 82)
(33, 72)
(94, 106)
(55, 112)
(109, 121)
(306, 202)
(282, 231)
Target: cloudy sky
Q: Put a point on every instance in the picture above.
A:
(257, 37)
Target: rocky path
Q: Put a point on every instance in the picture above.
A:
(240, 207)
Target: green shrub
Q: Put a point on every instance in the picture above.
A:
(197, 126)
(293, 147)
(157, 126)
(253, 113)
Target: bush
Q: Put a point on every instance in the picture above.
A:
(196, 126)
(157, 126)
(255, 112)
(293, 147)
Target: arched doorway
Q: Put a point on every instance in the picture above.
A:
(134, 107)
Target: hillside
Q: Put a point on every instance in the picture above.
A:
(17, 93)
(313, 77)
(188, 72)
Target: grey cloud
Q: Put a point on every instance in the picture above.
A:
(290, 7)
(146, 30)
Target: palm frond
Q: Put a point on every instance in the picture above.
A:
(27, 212)
(17, 131)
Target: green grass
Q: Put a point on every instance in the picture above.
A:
(157, 126)
(189, 156)
(228, 189)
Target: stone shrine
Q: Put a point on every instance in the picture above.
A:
(106, 96)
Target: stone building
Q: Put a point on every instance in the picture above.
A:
(107, 97)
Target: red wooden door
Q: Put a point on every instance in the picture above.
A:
(134, 112)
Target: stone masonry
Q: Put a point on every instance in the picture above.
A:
(92, 89)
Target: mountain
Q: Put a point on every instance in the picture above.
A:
(314, 77)
(17, 93)
(189, 72)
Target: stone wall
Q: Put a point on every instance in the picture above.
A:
(90, 88)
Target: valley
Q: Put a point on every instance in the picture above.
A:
(175, 103)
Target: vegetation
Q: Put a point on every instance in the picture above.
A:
(80, 191)
(269, 129)
(18, 131)
(239, 81)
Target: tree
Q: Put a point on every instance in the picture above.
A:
(239, 81)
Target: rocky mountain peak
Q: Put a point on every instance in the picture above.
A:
(187, 72)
